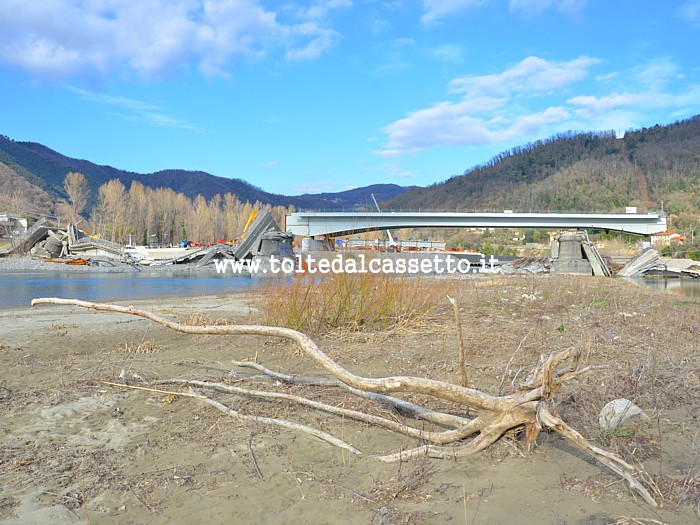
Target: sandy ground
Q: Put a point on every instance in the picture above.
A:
(76, 450)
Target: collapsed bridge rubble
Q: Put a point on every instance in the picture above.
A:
(261, 238)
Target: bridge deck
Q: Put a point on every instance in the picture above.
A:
(346, 223)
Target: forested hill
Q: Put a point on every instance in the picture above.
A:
(46, 170)
(647, 168)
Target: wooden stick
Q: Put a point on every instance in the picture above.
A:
(255, 461)
(462, 352)
(320, 434)
(184, 394)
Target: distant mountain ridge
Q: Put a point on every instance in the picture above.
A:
(46, 169)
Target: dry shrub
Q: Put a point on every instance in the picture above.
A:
(346, 301)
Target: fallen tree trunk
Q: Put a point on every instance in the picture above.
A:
(529, 408)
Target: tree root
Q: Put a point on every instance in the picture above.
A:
(528, 408)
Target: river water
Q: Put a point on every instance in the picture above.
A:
(18, 288)
(674, 285)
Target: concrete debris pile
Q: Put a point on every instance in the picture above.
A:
(647, 260)
(53, 246)
(274, 243)
(51, 243)
(261, 240)
(27, 239)
(526, 265)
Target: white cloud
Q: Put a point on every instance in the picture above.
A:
(607, 77)
(448, 53)
(531, 75)
(394, 60)
(589, 106)
(535, 7)
(532, 124)
(438, 9)
(403, 42)
(67, 38)
(395, 171)
(533, 99)
(313, 187)
(377, 25)
(275, 119)
(319, 38)
(690, 12)
(132, 109)
(656, 75)
(322, 8)
(487, 112)
(449, 124)
(592, 107)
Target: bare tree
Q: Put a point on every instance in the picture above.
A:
(138, 213)
(111, 212)
(78, 191)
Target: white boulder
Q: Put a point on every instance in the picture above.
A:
(618, 412)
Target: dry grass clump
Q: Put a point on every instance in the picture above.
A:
(144, 347)
(62, 329)
(353, 302)
(198, 319)
(63, 326)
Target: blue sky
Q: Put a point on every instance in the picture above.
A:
(332, 94)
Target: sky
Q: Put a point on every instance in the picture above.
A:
(328, 95)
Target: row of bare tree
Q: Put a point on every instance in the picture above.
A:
(143, 215)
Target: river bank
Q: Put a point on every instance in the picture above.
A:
(78, 450)
(25, 263)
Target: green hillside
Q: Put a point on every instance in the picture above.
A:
(651, 168)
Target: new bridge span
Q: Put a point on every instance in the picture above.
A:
(315, 224)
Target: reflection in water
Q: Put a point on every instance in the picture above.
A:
(19, 288)
(674, 285)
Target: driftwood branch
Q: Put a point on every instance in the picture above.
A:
(404, 408)
(610, 460)
(320, 434)
(434, 437)
(529, 407)
(462, 351)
